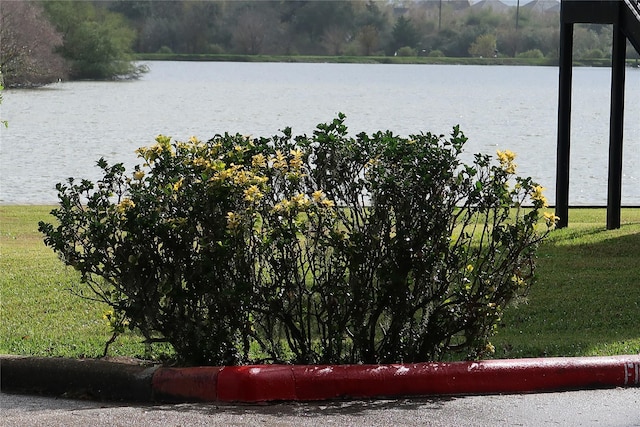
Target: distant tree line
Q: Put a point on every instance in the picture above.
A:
(339, 28)
(42, 41)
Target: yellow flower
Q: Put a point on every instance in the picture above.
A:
(202, 163)
(282, 206)
(138, 175)
(229, 173)
(506, 156)
(214, 149)
(280, 161)
(115, 320)
(372, 162)
(163, 143)
(163, 140)
(150, 154)
(108, 315)
(147, 153)
(141, 152)
(317, 196)
(489, 348)
(469, 268)
(240, 177)
(233, 220)
(185, 146)
(537, 194)
(506, 159)
(301, 200)
(517, 280)
(550, 219)
(124, 205)
(177, 185)
(259, 179)
(258, 161)
(252, 194)
(296, 161)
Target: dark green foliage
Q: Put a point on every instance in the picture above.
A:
(96, 43)
(311, 27)
(404, 34)
(321, 249)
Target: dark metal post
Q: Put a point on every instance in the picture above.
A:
(614, 194)
(564, 123)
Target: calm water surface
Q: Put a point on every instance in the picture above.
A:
(61, 130)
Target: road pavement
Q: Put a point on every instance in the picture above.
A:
(618, 407)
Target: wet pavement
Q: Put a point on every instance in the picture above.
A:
(610, 407)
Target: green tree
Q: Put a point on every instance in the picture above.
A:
(195, 26)
(308, 22)
(249, 34)
(371, 14)
(403, 34)
(484, 46)
(96, 42)
(27, 46)
(321, 27)
(368, 38)
(334, 40)
(485, 17)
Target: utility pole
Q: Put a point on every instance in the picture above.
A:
(517, 25)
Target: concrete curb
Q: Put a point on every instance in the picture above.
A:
(77, 378)
(267, 383)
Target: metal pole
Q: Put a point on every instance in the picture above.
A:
(564, 123)
(614, 194)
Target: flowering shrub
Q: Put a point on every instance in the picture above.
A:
(320, 249)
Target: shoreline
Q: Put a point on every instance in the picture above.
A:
(406, 60)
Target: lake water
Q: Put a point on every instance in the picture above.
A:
(61, 130)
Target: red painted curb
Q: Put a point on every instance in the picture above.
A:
(262, 383)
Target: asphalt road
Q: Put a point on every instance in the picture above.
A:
(617, 407)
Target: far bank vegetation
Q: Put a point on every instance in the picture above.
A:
(43, 42)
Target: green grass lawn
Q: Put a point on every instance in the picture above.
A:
(38, 313)
(587, 298)
(586, 301)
